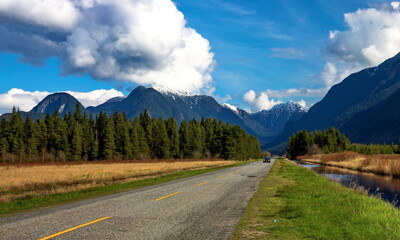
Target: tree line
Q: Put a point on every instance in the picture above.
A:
(331, 141)
(77, 137)
(371, 149)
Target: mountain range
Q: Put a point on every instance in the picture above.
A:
(363, 106)
(166, 103)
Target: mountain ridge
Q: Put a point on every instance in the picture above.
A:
(62, 102)
(165, 104)
(349, 105)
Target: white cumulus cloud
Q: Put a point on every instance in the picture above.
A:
(260, 101)
(302, 103)
(373, 35)
(26, 100)
(142, 41)
(60, 14)
(96, 97)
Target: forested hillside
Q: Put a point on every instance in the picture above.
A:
(77, 137)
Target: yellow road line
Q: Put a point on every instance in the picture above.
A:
(234, 172)
(161, 198)
(74, 228)
(201, 183)
(219, 177)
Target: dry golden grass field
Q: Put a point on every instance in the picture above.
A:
(386, 164)
(25, 181)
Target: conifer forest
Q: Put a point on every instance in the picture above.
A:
(81, 137)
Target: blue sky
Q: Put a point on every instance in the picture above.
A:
(258, 45)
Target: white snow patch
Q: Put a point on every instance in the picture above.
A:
(166, 90)
(231, 107)
(61, 108)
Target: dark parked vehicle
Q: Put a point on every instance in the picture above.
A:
(267, 159)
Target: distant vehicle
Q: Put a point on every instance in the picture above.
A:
(267, 160)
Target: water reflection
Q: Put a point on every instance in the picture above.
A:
(387, 187)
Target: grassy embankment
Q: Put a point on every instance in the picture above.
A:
(385, 164)
(26, 187)
(306, 205)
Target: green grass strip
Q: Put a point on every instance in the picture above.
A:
(295, 203)
(68, 197)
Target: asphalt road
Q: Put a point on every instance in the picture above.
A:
(206, 206)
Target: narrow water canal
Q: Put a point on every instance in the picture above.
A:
(387, 187)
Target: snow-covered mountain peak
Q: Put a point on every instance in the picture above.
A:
(231, 107)
(290, 106)
(168, 91)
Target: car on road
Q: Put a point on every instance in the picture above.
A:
(267, 160)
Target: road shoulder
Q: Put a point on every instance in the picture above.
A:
(295, 203)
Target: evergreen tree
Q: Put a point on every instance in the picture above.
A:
(146, 121)
(184, 140)
(159, 146)
(173, 137)
(52, 138)
(87, 138)
(78, 113)
(90, 136)
(218, 139)
(29, 139)
(16, 133)
(109, 144)
(76, 142)
(195, 139)
(229, 150)
(60, 131)
(140, 146)
(134, 138)
(122, 139)
(208, 127)
(101, 124)
(42, 139)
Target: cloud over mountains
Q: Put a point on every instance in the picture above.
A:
(26, 100)
(259, 102)
(142, 41)
(371, 37)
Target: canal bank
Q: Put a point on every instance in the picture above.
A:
(382, 164)
(293, 202)
(382, 186)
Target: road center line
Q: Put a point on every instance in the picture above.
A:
(74, 228)
(161, 198)
(219, 177)
(201, 183)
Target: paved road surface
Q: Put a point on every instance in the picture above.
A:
(206, 206)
